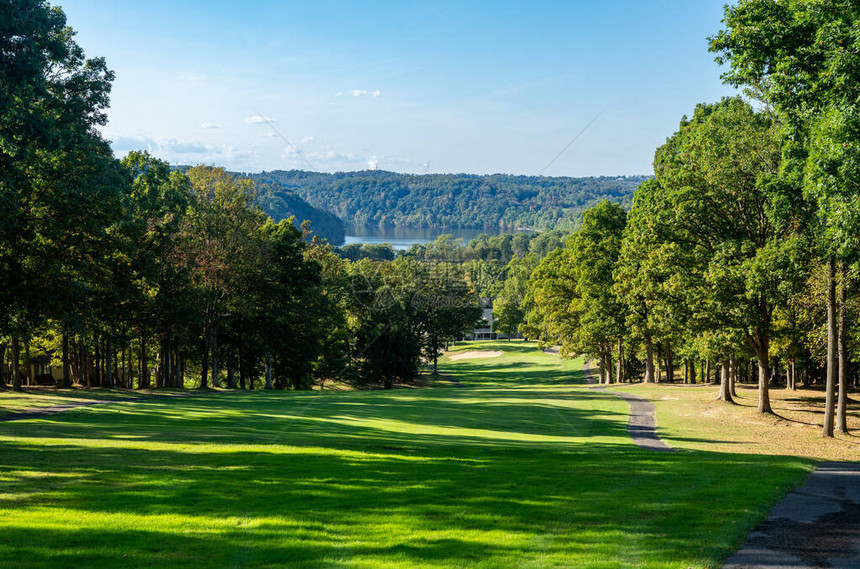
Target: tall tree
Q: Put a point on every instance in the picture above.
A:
(720, 177)
(645, 266)
(221, 225)
(570, 294)
(798, 57)
(167, 306)
(56, 183)
(508, 308)
(442, 302)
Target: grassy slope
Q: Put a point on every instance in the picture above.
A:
(518, 469)
(37, 397)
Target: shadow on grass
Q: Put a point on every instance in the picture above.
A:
(278, 506)
(488, 417)
(517, 469)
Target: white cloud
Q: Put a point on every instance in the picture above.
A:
(209, 125)
(193, 77)
(364, 93)
(307, 139)
(257, 119)
(178, 151)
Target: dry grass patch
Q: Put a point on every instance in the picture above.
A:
(690, 416)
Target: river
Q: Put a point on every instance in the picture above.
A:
(402, 238)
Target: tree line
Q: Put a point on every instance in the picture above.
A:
(131, 273)
(389, 199)
(744, 246)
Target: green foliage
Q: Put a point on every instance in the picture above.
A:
(570, 295)
(280, 203)
(387, 199)
(372, 251)
(508, 308)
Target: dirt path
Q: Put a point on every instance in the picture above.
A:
(816, 525)
(643, 422)
(40, 412)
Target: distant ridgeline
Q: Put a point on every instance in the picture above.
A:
(388, 199)
(280, 203)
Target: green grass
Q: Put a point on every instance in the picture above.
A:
(521, 468)
(33, 398)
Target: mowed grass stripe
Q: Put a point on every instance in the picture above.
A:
(521, 468)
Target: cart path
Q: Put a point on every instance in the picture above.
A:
(815, 525)
(39, 412)
(643, 422)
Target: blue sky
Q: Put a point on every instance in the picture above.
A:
(460, 86)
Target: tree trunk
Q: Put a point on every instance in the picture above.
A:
(832, 356)
(268, 372)
(759, 341)
(692, 371)
(164, 377)
(121, 376)
(602, 369)
(733, 375)
(247, 370)
(216, 381)
(725, 388)
(231, 368)
(619, 361)
(842, 402)
(28, 368)
(649, 359)
(86, 363)
(2, 366)
(108, 356)
(177, 366)
(97, 362)
(204, 367)
(144, 380)
(763, 377)
(67, 367)
(16, 367)
(670, 365)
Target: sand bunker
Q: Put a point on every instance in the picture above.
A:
(475, 355)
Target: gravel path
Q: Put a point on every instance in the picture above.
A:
(816, 525)
(643, 423)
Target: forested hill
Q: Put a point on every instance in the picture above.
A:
(453, 200)
(280, 203)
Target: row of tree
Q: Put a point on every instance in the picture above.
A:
(134, 274)
(747, 240)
